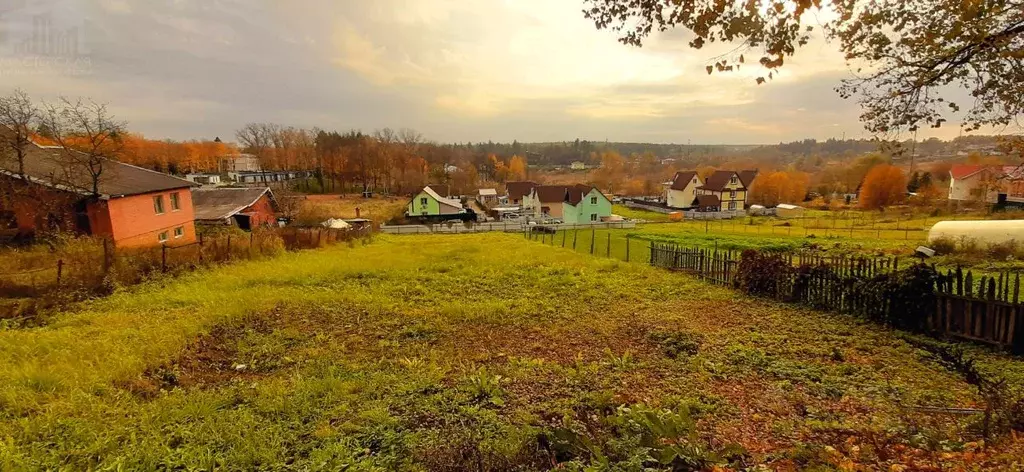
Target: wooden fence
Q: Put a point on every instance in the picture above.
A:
(707, 264)
(955, 304)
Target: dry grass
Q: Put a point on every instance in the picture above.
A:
(317, 208)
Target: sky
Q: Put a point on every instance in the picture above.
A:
(454, 70)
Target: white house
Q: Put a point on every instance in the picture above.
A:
(976, 182)
(682, 190)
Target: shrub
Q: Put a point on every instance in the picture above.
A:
(943, 246)
(760, 273)
(1004, 250)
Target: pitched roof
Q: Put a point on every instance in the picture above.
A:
(47, 166)
(682, 179)
(717, 181)
(487, 192)
(705, 201)
(551, 193)
(747, 177)
(960, 171)
(442, 200)
(220, 203)
(520, 189)
(575, 194)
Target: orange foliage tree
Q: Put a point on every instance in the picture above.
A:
(780, 187)
(884, 185)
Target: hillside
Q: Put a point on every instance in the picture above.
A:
(441, 352)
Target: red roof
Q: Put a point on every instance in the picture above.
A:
(960, 171)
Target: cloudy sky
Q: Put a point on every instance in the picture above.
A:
(455, 70)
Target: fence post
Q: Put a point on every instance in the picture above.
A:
(251, 234)
(575, 232)
(106, 257)
(593, 237)
(563, 237)
(60, 267)
(163, 257)
(627, 248)
(608, 250)
(229, 247)
(200, 248)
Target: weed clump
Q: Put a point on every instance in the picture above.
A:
(676, 344)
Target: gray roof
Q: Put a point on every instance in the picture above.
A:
(219, 203)
(47, 166)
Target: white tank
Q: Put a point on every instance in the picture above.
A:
(982, 231)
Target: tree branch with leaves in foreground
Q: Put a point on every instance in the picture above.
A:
(907, 55)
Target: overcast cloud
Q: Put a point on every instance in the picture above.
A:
(455, 70)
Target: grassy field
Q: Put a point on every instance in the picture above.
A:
(322, 207)
(482, 351)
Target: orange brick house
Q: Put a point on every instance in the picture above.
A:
(133, 206)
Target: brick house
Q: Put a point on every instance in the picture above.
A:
(245, 208)
(132, 206)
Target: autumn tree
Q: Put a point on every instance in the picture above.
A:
(884, 185)
(774, 188)
(612, 173)
(19, 116)
(907, 55)
(88, 136)
(516, 168)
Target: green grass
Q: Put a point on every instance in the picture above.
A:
(637, 214)
(446, 352)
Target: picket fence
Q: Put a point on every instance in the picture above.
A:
(986, 309)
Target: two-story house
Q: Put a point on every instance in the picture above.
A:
(728, 187)
(585, 204)
(682, 190)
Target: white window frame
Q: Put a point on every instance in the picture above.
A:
(162, 237)
(158, 205)
(179, 232)
(175, 201)
(593, 217)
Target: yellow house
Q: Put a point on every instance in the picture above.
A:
(728, 187)
(683, 190)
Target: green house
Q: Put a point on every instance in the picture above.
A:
(585, 204)
(430, 203)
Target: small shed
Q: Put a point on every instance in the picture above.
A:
(983, 231)
(487, 195)
(785, 210)
(756, 210)
(246, 208)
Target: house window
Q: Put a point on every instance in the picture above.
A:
(179, 232)
(694, 180)
(593, 217)
(593, 200)
(732, 194)
(175, 203)
(732, 205)
(426, 213)
(158, 204)
(732, 180)
(423, 201)
(162, 237)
